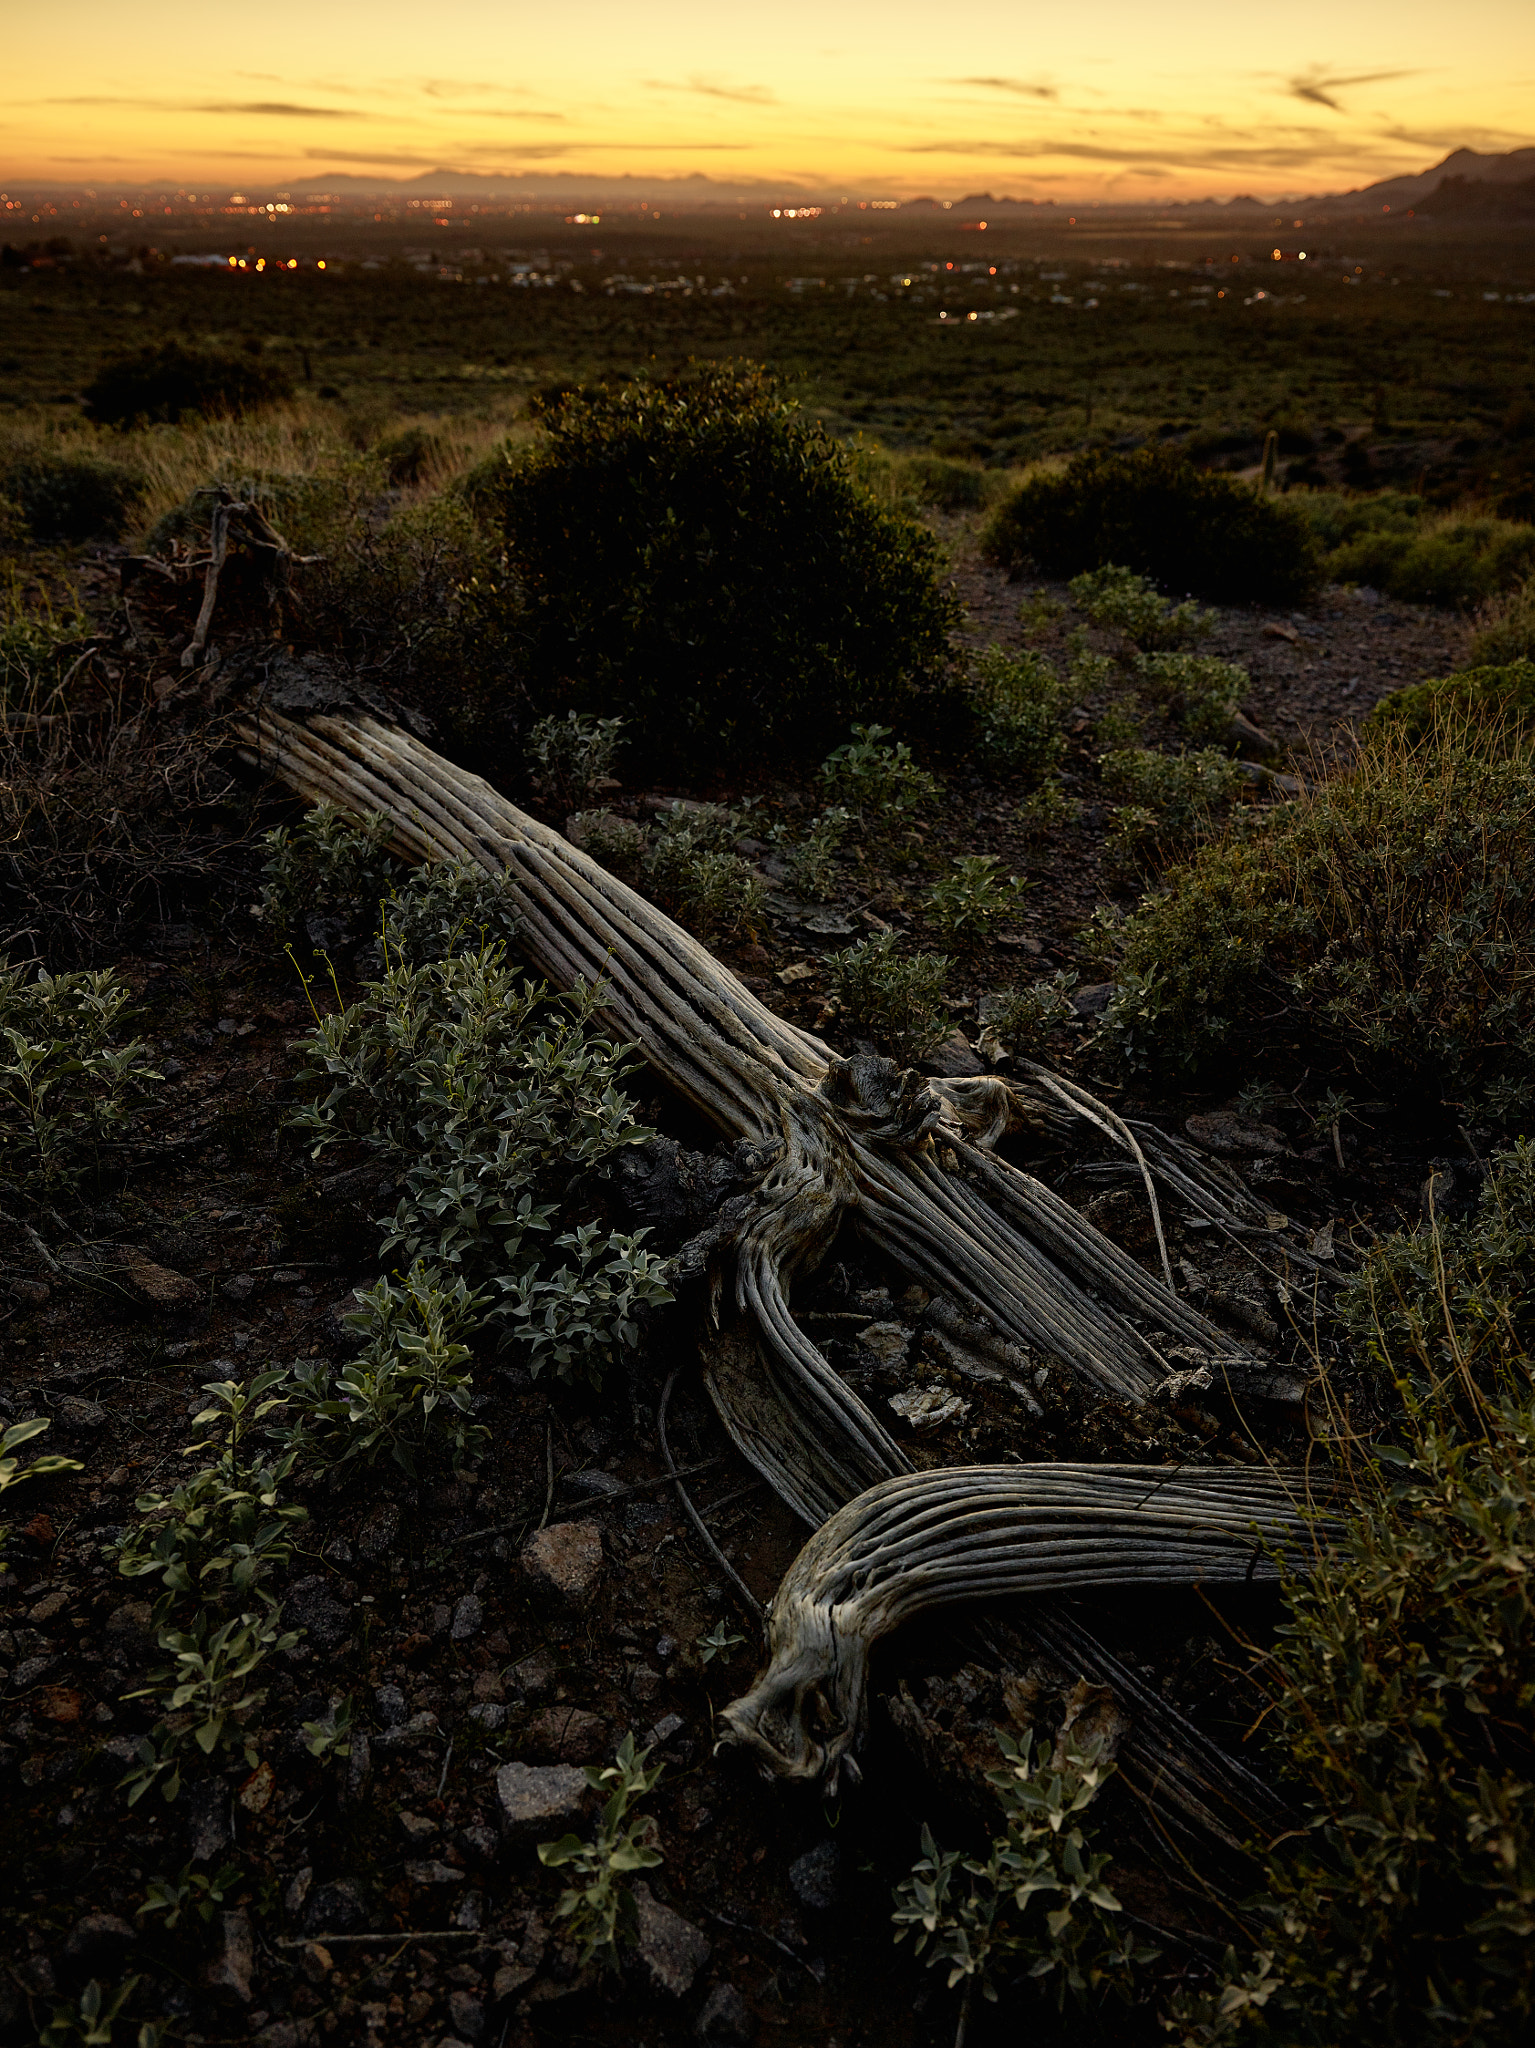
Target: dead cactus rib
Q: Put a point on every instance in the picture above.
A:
(976, 1533)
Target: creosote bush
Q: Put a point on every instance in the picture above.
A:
(1200, 692)
(1403, 1682)
(67, 495)
(1398, 543)
(169, 380)
(1499, 701)
(697, 557)
(1153, 512)
(1118, 597)
(1505, 628)
(1382, 923)
(1169, 801)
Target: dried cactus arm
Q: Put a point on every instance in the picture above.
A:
(982, 1533)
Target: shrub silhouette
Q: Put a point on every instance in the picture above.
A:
(164, 382)
(1153, 511)
(1499, 698)
(70, 497)
(697, 557)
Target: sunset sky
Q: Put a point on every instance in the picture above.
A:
(1104, 98)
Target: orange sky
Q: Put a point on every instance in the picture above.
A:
(1106, 99)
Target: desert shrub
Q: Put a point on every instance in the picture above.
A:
(1496, 704)
(1021, 1020)
(898, 998)
(448, 908)
(1168, 800)
(1402, 1683)
(618, 843)
(409, 452)
(70, 1078)
(168, 380)
(70, 496)
(952, 486)
(317, 511)
(1505, 628)
(1018, 702)
(329, 862)
(39, 644)
(1382, 922)
(689, 867)
(697, 557)
(1119, 598)
(1397, 543)
(1039, 1902)
(1153, 512)
(570, 756)
(812, 860)
(1200, 692)
(492, 1104)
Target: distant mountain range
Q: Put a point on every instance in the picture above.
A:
(1512, 167)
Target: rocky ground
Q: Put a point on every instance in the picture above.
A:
(497, 1628)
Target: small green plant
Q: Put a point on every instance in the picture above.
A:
(967, 904)
(196, 1892)
(1039, 1901)
(1505, 628)
(409, 1388)
(578, 1319)
(205, 1696)
(572, 756)
(448, 908)
(712, 890)
(1022, 1019)
(1039, 610)
(91, 2020)
(1120, 724)
(1133, 606)
(719, 1642)
(12, 1470)
(1493, 707)
(329, 861)
(1200, 692)
(69, 1080)
(40, 642)
(618, 843)
(898, 998)
(599, 1906)
(331, 1735)
(1045, 808)
(812, 861)
(1018, 699)
(883, 784)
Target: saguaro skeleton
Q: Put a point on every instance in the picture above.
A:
(911, 1163)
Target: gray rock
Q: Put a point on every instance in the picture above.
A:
(816, 1878)
(955, 1059)
(564, 1564)
(418, 1729)
(591, 1484)
(30, 1671)
(315, 1605)
(416, 1828)
(390, 1702)
(230, 1970)
(433, 1873)
(98, 1944)
(1093, 1000)
(725, 2021)
(376, 1537)
(207, 1818)
(539, 1799)
(75, 1413)
(671, 1950)
(468, 1618)
(489, 1714)
(240, 1288)
(335, 1908)
(467, 2015)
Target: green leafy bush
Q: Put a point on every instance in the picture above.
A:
(1505, 628)
(1402, 1909)
(12, 1470)
(328, 861)
(700, 559)
(69, 496)
(812, 860)
(1119, 598)
(1398, 543)
(1496, 703)
(1382, 923)
(168, 380)
(1018, 700)
(1039, 1901)
(1154, 512)
(897, 998)
(688, 866)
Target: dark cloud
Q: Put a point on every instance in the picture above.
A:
(1318, 86)
(284, 109)
(1025, 88)
(1141, 155)
(705, 88)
